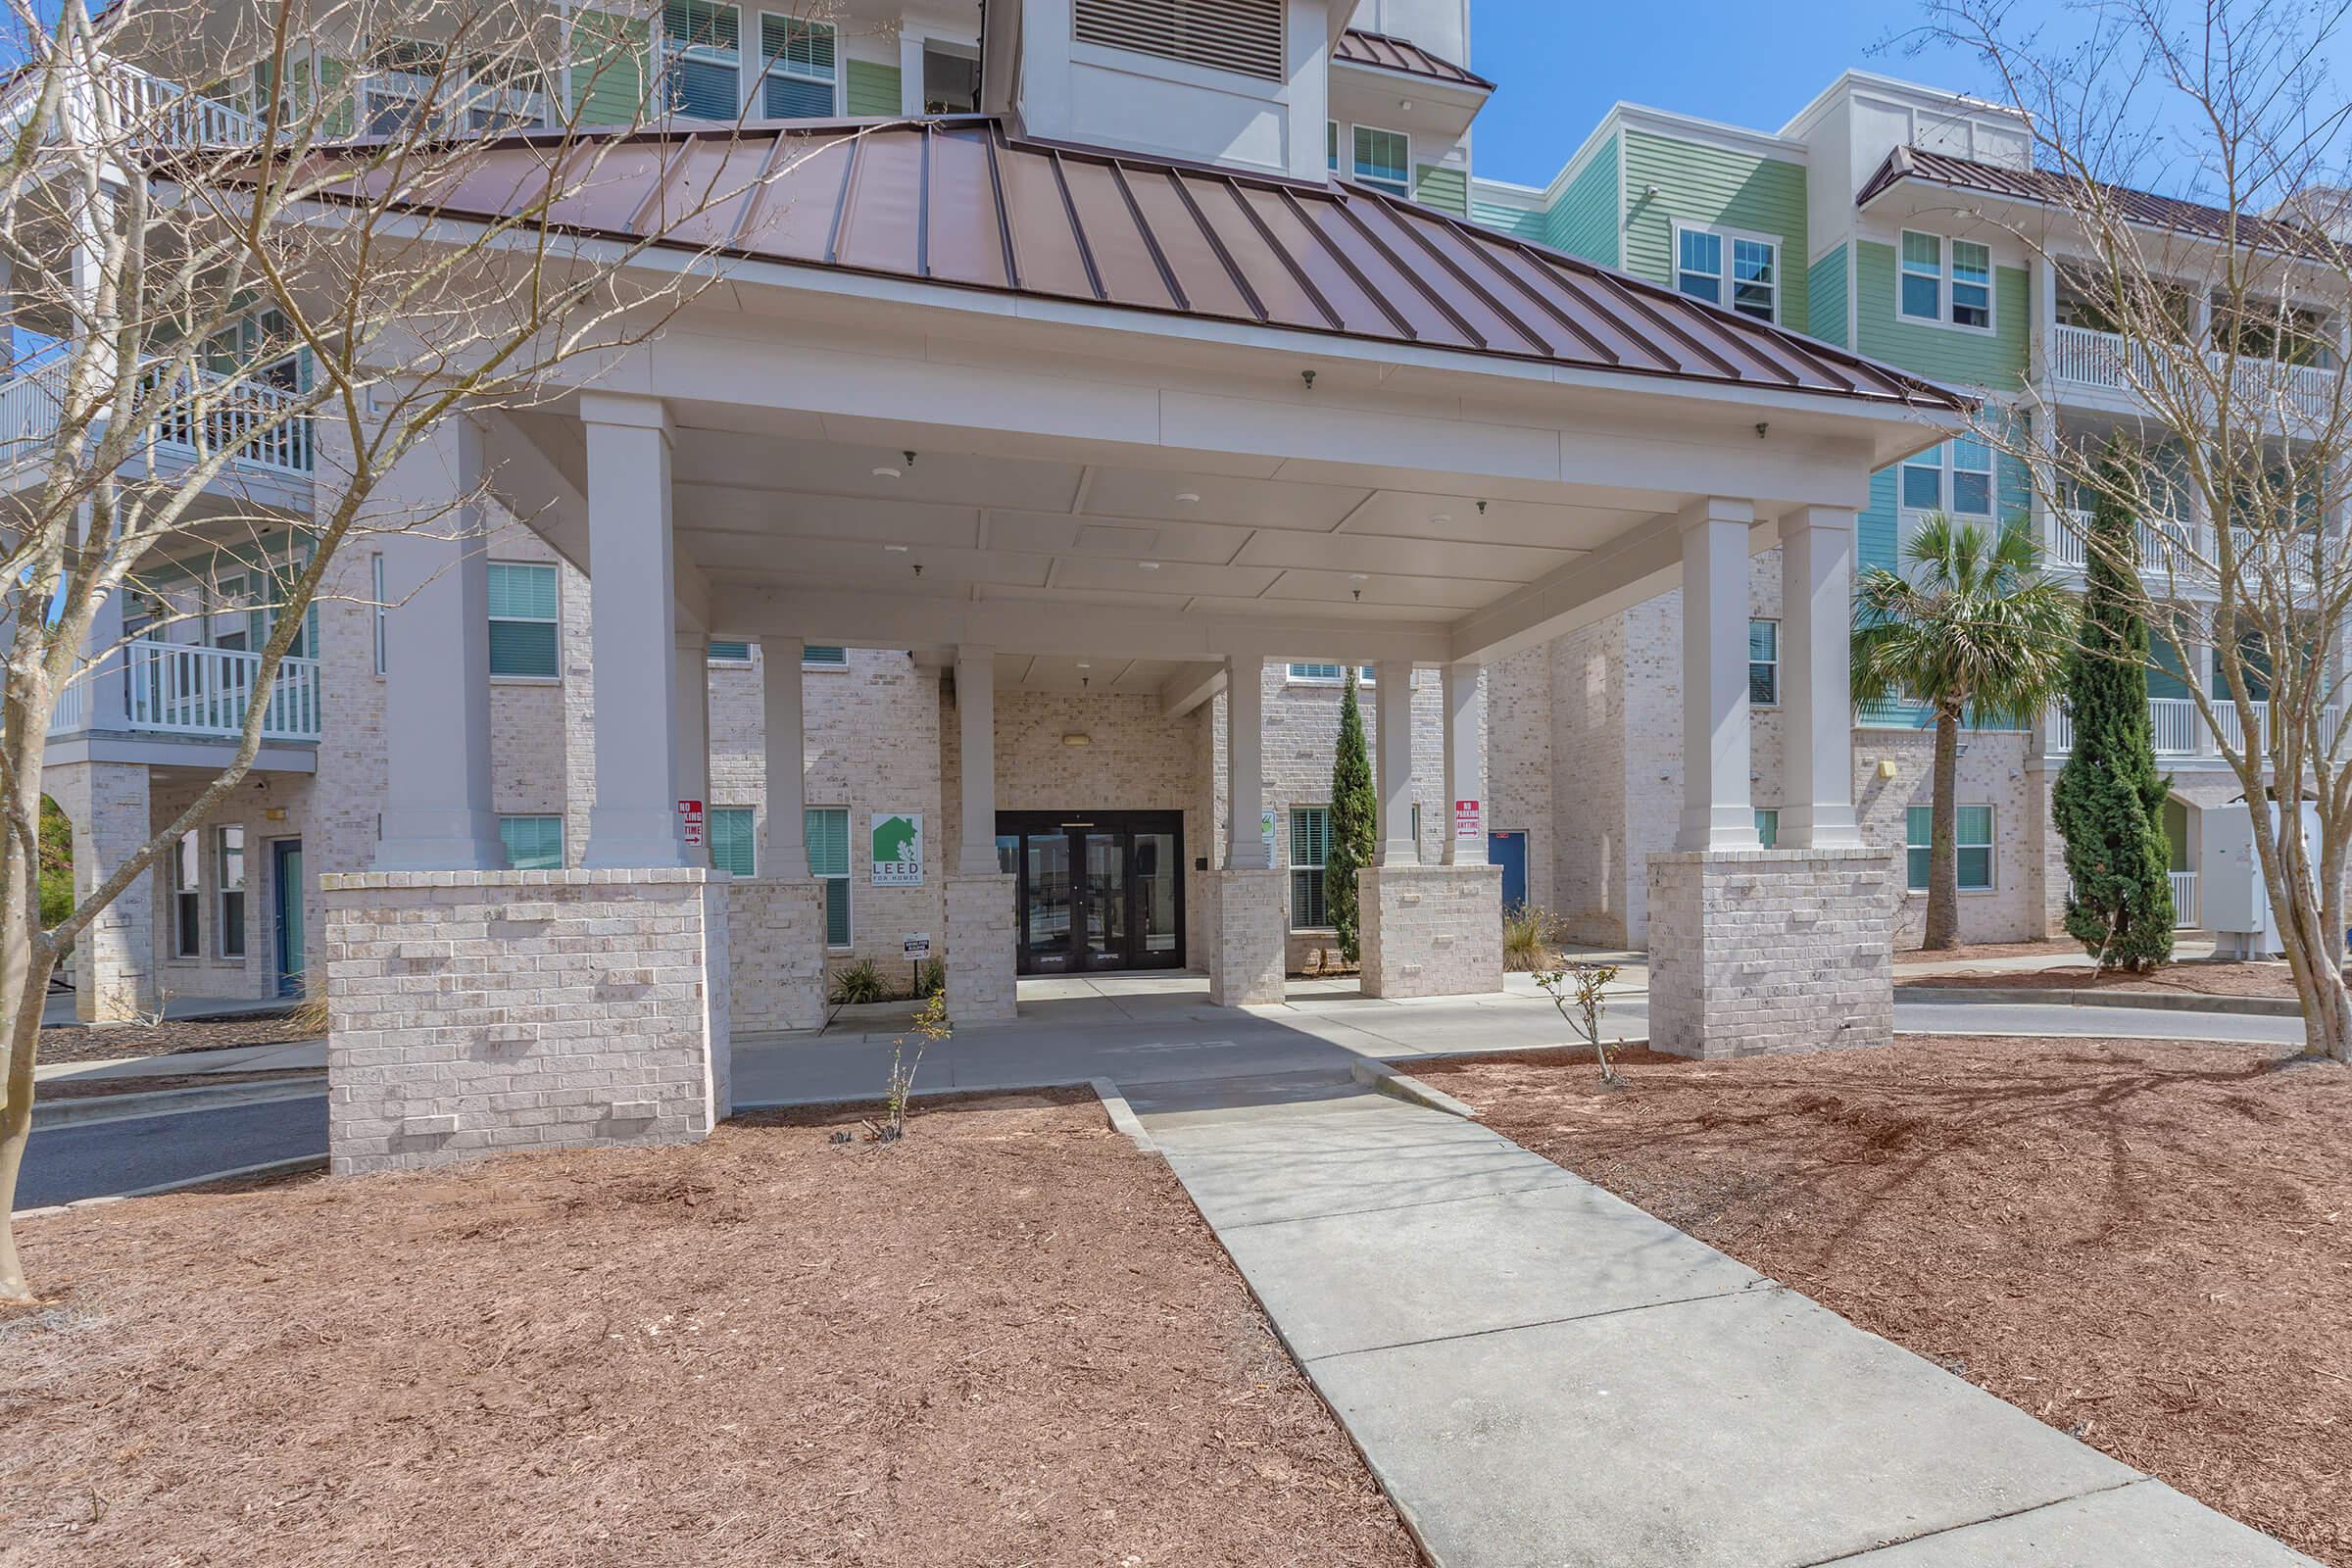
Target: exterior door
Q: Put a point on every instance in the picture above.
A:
(285, 860)
(1095, 891)
(1508, 850)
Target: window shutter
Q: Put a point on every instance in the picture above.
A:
(790, 98)
(732, 840)
(1238, 35)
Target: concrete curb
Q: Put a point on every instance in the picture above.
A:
(268, 1167)
(82, 1112)
(1123, 1118)
(1386, 1080)
(2152, 1001)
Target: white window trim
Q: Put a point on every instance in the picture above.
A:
(556, 620)
(1405, 193)
(223, 893)
(1908, 516)
(1291, 867)
(1945, 246)
(824, 666)
(375, 582)
(1291, 677)
(1991, 848)
(848, 871)
(1775, 660)
(759, 67)
(1724, 278)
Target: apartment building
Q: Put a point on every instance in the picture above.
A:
(1883, 217)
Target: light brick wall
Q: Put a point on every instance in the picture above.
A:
(481, 1013)
(1584, 841)
(1253, 911)
(980, 956)
(1516, 711)
(1991, 772)
(1755, 950)
(114, 968)
(777, 945)
(1432, 930)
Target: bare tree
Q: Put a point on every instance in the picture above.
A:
(2216, 311)
(201, 290)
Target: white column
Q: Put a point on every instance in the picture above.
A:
(634, 821)
(437, 812)
(1465, 765)
(785, 854)
(1246, 847)
(690, 774)
(976, 725)
(1718, 812)
(1393, 773)
(107, 694)
(1817, 590)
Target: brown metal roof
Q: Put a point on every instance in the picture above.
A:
(955, 201)
(1358, 47)
(2166, 212)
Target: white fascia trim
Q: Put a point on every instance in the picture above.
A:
(1461, 95)
(1799, 125)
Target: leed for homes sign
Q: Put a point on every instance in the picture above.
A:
(897, 844)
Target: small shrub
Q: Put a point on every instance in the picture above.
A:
(1527, 934)
(1581, 986)
(931, 1026)
(860, 983)
(933, 980)
(310, 1016)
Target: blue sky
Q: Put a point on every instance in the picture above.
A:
(1559, 63)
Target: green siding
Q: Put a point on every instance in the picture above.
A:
(1584, 221)
(1824, 296)
(1711, 185)
(1446, 189)
(1994, 360)
(1516, 221)
(873, 89)
(608, 71)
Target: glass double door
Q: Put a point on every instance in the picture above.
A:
(1096, 890)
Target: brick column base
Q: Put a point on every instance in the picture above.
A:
(481, 1013)
(1754, 950)
(777, 955)
(1431, 930)
(1253, 925)
(114, 960)
(980, 956)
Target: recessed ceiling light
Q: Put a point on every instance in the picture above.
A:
(896, 550)
(1357, 576)
(886, 472)
(1188, 497)
(1083, 664)
(1443, 520)
(1148, 565)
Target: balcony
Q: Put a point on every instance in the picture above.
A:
(205, 413)
(2066, 542)
(2104, 362)
(182, 689)
(2177, 728)
(153, 112)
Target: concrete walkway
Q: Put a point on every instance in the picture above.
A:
(1542, 1373)
(57, 1012)
(186, 1064)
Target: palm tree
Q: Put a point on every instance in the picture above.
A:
(1975, 631)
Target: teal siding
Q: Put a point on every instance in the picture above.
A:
(1702, 184)
(1584, 221)
(1518, 223)
(1874, 527)
(1825, 283)
(1446, 189)
(1994, 360)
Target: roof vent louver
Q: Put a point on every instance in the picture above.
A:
(1238, 35)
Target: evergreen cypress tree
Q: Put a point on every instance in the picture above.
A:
(1353, 814)
(2109, 798)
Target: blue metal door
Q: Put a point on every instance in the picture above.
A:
(1508, 850)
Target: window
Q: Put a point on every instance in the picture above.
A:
(1948, 284)
(376, 590)
(1310, 842)
(1313, 674)
(522, 620)
(533, 843)
(228, 863)
(828, 832)
(1975, 834)
(1954, 477)
(1331, 145)
(702, 75)
(951, 79)
(1764, 662)
(1752, 285)
(824, 658)
(1381, 157)
(185, 943)
(729, 653)
(799, 58)
(400, 79)
(731, 840)
(1768, 826)
(1240, 35)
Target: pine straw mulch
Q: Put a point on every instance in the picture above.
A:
(76, 1043)
(1988, 950)
(54, 1089)
(2146, 1244)
(2199, 977)
(1007, 1339)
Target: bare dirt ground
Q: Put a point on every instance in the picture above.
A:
(2142, 1243)
(163, 1039)
(1009, 1340)
(2203, 978)
(101, 1087)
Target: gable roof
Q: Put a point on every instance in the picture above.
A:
(1360, 47)
(2169, 214)
(957, 202)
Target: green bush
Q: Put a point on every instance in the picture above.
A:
(860, 983)
(1527, 935)
(933, 981)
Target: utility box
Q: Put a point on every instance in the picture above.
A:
(2235, 903)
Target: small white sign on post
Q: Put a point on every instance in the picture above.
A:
(1266, 826)
(918, 944)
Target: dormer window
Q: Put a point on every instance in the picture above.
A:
(1379, 160)
(1724, 266)
(1946, 282)
(1238, 35)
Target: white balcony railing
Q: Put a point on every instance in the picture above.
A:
(2107, 360)
(2066, 540)
(2177, 728)
(166, 114)
(2185, 899)
(182, 689)
(206, 413)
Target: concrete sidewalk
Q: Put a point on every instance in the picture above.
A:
(1542, 1373)
(188, 1063)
